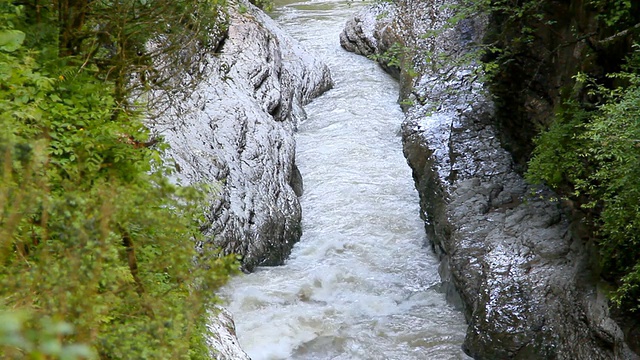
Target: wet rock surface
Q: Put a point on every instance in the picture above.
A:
(223, 341)
(236, 131)
(509, 255)
(374, 33)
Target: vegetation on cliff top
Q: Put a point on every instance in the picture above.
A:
(97, 248)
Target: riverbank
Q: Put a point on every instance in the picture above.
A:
(523, 277)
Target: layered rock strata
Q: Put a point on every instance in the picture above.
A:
(509, 255)
(236, 131)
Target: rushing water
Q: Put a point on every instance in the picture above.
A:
(361, 284)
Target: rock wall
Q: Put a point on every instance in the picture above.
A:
(236, 131)
(509, 256)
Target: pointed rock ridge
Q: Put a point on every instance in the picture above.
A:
(236, 131)
(509, 256)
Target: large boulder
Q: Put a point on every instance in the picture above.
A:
(236, 131)
(509, 254)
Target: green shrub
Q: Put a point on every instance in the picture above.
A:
(594, 156)
(97, 247)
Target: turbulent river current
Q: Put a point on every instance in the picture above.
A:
(362, 282)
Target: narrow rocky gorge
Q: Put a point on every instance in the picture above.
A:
(511, 257)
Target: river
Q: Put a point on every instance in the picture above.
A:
(362, 282)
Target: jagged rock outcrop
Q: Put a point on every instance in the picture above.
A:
(372, 33)
(223, 340)
(512, 257)
(236, 131)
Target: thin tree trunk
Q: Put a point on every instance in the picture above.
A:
(71, 18)
(127, 242)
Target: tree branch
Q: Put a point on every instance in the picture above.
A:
(619, 35)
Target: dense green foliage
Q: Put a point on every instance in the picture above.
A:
(593, 156)
(97, 247)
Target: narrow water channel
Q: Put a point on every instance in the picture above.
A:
(361, 284)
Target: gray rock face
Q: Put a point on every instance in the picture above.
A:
(223, 342)
(236, 130)
(373, 33)
(509, 254)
